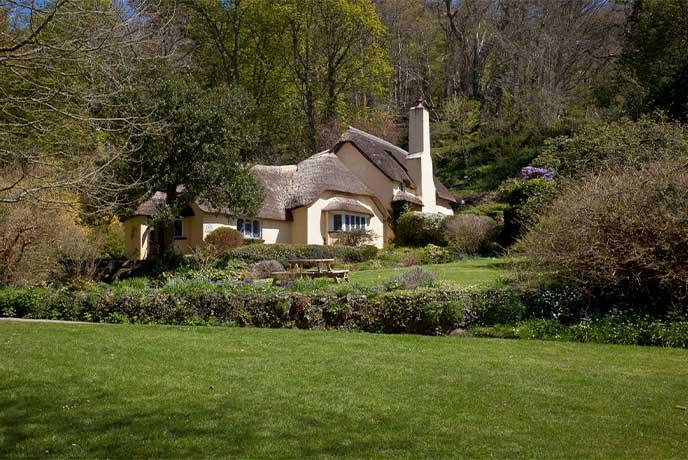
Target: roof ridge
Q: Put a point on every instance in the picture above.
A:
(379, 139)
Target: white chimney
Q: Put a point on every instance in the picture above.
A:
(419, 161)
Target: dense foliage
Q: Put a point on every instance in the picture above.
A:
(500, 312)
(602, 145)
(419, 229)
(201, 150)
(655, 57)
(526, 199)
(421, 311)
(620, 237)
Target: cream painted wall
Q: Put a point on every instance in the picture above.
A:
(272, 231)
(276, 231)
(368, 173)
(136, 233)
(317, 225)
(299, 229)
(196, 228)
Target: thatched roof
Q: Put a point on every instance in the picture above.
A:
(289, 187)
(321, 172)
(406, 196)
(150, 206)
(346, 204)
(443, 192)
(277, 182)
(387, 157)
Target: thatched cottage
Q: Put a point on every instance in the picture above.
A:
(352, 185)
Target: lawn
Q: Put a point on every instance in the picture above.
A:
(463, 273)
(124, 391)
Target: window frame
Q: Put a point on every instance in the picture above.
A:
(243, 223)
(349, 221)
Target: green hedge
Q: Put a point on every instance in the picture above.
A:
(423, 311)
(285, 252)
(432, 311)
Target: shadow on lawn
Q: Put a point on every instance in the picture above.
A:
(41, 424)
(40, 421)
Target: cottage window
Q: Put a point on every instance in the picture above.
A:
(249, 228)
(178, 228)
(347, 222)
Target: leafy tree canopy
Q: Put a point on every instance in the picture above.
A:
(601, 145)
(201, 148)
(656, 57)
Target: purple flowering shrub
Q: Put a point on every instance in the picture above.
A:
(533, 172)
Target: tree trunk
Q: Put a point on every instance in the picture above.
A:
(166, 227)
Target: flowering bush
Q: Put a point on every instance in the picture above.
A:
(532, 172)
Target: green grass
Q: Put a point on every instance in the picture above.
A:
(111, 391)
(463, 273)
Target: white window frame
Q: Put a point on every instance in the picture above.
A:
(253, 223)
(350, 221)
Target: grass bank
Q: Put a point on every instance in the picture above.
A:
(478, 271)
(125, 391)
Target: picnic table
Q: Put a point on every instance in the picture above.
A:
(311, 268)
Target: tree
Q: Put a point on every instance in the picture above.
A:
(60, 61)
(201, 150)
(335, 45)
(415, 48)
(241, 43)
(655, 58)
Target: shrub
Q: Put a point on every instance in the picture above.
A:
(34, 242)
(264, 269)
(283, 253)
(526, 200)
(356, 237)
(470, 234)
(432, 254)
(493, 210)
(411, 259)
(419, 229)
(493, 306)
(412, 278)
(224, 238)
(187, 302)
(621, 238)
